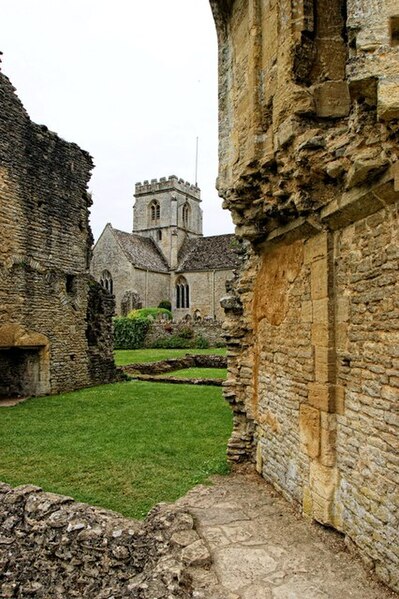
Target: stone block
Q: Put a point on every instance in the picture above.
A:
(340, 400)
(388, 99)
(332, 99)
(364, 168)
(319, 279)
(325, 364)
(321, 312)
(320, 334)
(315, 248)
(328, 436)
(306, 311)
(309, 430)
(342, 312)
(322, 396)
(286, 132)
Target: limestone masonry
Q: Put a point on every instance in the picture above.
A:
(309, 124)
(55, 320)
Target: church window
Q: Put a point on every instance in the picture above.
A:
(159, 235)
(182, 293)
(155, 211)
(186, 215)
(106, 281)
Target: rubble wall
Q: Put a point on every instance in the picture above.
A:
(45, 249)
(52, 546)
(308, 130)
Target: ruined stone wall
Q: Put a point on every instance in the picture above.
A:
(210, 330)
(309, 109)
(44, 253)
(52, 546)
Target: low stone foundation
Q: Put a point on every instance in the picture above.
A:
(187, 361)
(52, 546)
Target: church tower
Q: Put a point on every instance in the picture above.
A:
(168, 211)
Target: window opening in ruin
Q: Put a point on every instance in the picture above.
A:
(186, 214)
(70, 284)
(106, 281)
(159, 235)
(394, 26)
(182, 293)
(155, 211)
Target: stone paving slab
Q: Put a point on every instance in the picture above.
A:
(261, 548)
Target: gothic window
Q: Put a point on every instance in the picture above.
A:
(186, 215)
(182, 293)
(106, 281)
(155, 212)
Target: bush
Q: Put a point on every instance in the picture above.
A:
(179, 342)
(151, 313)
(201, 342)
(186, 332)
(165, 304)
(130, 333)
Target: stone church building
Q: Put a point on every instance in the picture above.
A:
(166, 257)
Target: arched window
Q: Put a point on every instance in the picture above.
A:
(106, 281)
(154, 212)
(182, 293)
(186, 215)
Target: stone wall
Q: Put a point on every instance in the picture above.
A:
(210, 330)
(44, 255)
(52, 546)
(309, 109)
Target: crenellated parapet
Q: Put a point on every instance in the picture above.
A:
(165, 184)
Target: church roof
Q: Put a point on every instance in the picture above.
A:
(141, 251)
(208, 253)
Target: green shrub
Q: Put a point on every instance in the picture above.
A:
(179, 342)
(201, 342)
(165, 304)
(186, 332)
(149, 312)
(130, 333)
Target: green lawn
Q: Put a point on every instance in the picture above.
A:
(124, 446)
(132, 356)
(199, 373)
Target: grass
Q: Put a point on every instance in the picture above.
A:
(124, 446)
(199, 373)
(134, 356)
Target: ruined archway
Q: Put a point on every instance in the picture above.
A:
(24, 362)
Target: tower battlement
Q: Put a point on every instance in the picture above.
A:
(167, 184)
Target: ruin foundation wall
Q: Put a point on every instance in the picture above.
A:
(44, 259)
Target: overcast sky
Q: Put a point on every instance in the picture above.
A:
(133, 82)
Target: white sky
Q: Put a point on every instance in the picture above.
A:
(133, 82)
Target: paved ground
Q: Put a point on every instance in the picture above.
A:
(262, 549)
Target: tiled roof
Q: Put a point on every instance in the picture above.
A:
(141, 251)
(208, 253)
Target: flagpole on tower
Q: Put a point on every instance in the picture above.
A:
(196, 162)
